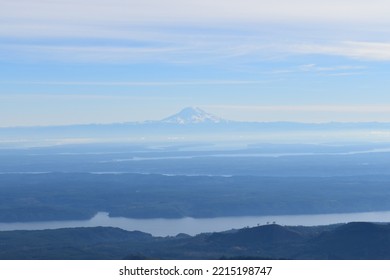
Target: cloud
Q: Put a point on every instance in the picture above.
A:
(313, 113)
(334, 70)
(207, 51)
(316, 68)
(124, 18)
(186, 31)
(142, 84)
(370, 108)
(77, 53)
(355, 50)
(194, 12)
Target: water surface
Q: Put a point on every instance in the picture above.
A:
(192, 226)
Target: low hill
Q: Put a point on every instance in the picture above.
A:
(344, 241)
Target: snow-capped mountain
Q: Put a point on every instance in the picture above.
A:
(192, 115)
(190, 124)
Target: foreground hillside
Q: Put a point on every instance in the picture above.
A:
(346, 241)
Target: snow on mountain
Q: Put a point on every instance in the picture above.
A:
(192, 115)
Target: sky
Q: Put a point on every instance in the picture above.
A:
(105, 61)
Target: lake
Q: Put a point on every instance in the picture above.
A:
(192, 226)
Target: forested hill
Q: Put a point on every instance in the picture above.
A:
(79, 196)
(345, 241)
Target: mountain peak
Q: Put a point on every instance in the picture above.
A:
(192, 115)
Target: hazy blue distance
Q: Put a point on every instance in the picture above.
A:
(116, 61)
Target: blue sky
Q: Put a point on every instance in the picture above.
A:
(102, 61)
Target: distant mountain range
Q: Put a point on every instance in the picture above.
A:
(191, 116)
(194, 124)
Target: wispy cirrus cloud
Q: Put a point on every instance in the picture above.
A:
(305, 113)
(352, 49)
(139, 84)
(200, 52)
(178, 31)
(79, 53)
(318, 68)
(119, 12)
(334, 70)
(369, 108)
